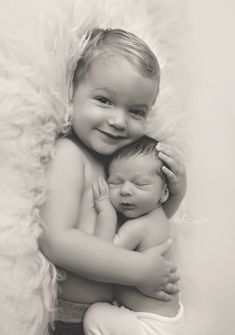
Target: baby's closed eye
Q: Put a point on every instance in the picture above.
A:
(113, 182)
(141, 184)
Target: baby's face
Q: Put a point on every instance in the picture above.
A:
(111, 104)
(135, 185)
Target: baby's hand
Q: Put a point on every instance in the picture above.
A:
(101, 197)
(173, 168)
(106, 220)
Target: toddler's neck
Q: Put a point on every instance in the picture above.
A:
(103, 159)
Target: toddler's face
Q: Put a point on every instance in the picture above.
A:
(111, 104)
(135, 185)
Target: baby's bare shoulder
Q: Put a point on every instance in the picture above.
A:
(152, 223)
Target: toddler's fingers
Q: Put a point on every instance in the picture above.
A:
(165, 148)
(168, 150)
(169, 174)
(170, 162)
(173, 277)
(170, 288)
(163, 296)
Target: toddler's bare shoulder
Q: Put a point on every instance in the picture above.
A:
(68, 152)
(64, 146)
(67, 160)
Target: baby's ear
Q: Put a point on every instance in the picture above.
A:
(165, 194)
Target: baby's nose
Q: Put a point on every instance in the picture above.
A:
(126, 189)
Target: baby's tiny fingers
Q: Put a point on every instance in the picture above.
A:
(95, 190)
(101, 187)
(104, 190)
(105, 185)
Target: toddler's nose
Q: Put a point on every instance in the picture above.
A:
(118, 119)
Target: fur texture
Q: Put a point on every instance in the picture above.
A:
(39, 48)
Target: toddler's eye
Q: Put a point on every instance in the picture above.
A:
(103, 100)
(138, 113)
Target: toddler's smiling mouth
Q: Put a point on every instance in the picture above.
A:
(112, 136)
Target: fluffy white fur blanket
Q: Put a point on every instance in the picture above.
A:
(40, 43)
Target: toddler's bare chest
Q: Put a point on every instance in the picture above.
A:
(87, 212)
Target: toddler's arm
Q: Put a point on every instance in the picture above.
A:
(82, 253)
(106, 220)
(175, 172)
(131, 235)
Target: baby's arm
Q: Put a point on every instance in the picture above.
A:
(175, 172)
(82, 253)
(130, 234)
(106, 220)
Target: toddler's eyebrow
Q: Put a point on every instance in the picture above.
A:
(140, 106)
(107, 89)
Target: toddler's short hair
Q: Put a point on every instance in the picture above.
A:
(143, 146)
(116, 42)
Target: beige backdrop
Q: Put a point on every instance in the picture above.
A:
(207, 228)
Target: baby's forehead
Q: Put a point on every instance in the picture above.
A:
(140, 163)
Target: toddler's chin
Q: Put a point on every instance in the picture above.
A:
(106, 149)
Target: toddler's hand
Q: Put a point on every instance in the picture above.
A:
(160, 281)
(168, 290)
(173, 168)
(102, 202)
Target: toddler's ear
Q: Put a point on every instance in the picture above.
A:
(165, 194)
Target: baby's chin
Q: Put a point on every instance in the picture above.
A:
(130, 214)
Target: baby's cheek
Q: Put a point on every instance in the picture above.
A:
(113, 197)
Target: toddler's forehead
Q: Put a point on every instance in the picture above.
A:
(109, 57)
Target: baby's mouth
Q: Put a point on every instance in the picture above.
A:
(127, 205)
